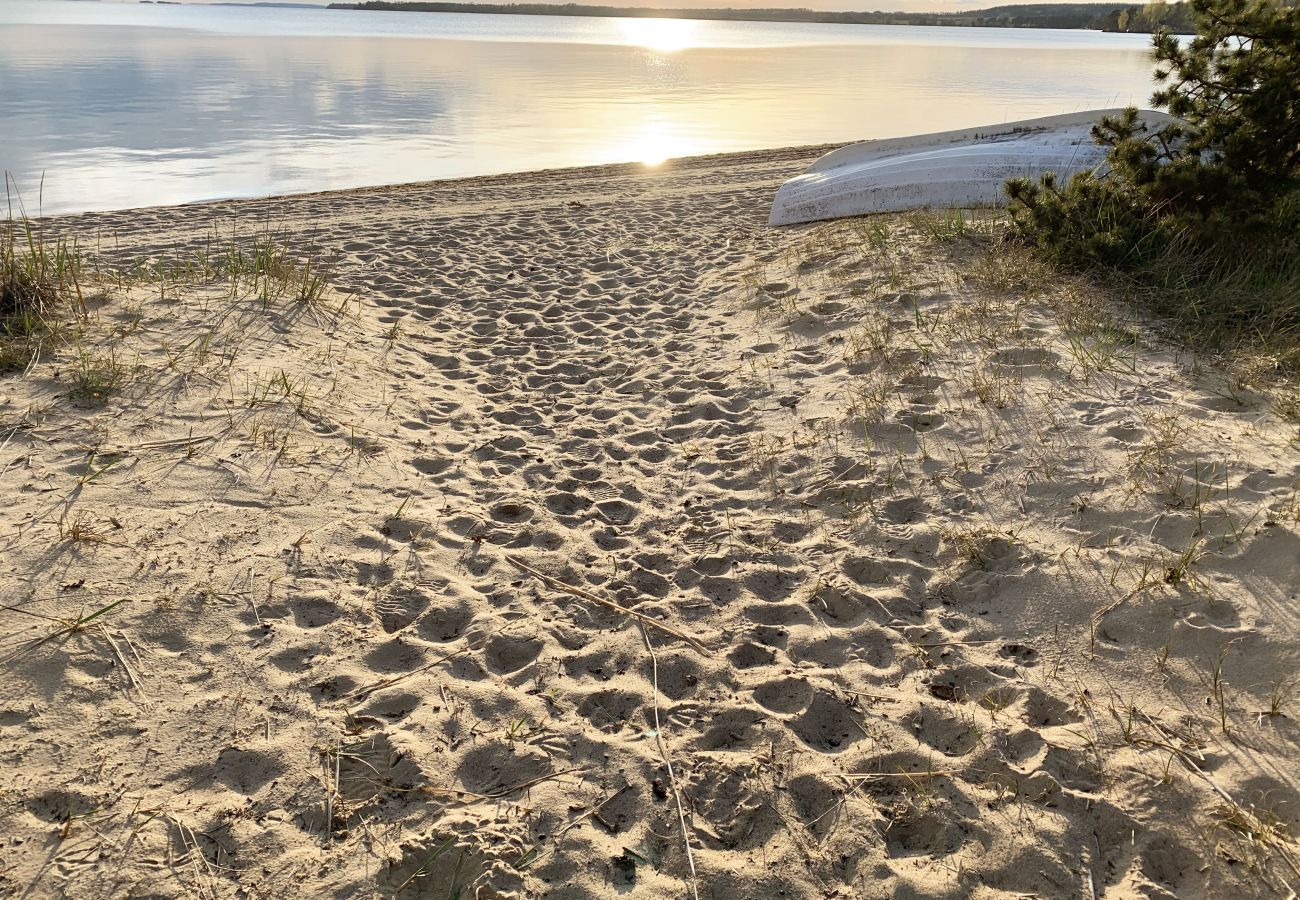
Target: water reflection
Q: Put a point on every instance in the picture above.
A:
(663, 35)
(130, 116)
(653, 142)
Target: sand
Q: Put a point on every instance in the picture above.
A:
(587, 520)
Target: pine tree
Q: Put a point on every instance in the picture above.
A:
(1227, 171)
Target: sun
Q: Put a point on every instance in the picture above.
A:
(662, 35)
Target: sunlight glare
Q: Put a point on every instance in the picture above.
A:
(656, 143)
(663, 35)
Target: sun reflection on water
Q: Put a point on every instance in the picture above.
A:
(653, 142)
(662, 35)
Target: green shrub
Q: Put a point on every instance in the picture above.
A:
(1205, 208)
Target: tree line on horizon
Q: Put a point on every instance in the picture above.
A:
(1149, 18)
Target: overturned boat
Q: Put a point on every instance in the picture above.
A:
(951, 169)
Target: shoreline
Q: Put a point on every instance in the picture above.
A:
(601, 170)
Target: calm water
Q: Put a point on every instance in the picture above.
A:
(123, 105)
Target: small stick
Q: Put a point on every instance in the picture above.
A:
(957, 643)
(591, 811)
(122, 661)
(9, 438)
(594, 810)
(524, 785)
(886, 697)
(909, 775)
(831, 479)
(329, 797)
(668, 763)
(192, 849)
(364, 692)
(609, 604)
(161, 445)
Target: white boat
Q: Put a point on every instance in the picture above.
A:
(950, 170)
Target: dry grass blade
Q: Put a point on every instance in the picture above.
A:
(608, 604)
(532, 856)
(70, 627)
(668, 763)
(424, 866)
(937, 773)
(1238, 816)
(532, 782)
(331, 792)
(364, 692)
(205, 878)
(122, 660)
(173, 443)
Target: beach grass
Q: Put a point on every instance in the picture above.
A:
(40, 285)
(1239, 308)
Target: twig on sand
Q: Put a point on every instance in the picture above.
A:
(532, 856)
(532, 782)
(609, 604)
(668, 763)
(194, 855)
(364, 692)
(331, 791)
(131, 677)
(936, 773)
(891, 698)
(168, 444)
(933, 644)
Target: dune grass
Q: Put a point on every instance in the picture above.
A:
(264, 266)
(1243, 300)
(1238, 306)
(40, 287)
(53, 296)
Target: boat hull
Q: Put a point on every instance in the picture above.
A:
(952, 169)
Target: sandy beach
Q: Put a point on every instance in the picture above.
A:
(586, 537)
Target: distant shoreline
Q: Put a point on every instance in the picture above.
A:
(1068, 16)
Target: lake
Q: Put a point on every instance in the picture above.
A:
(119, 105)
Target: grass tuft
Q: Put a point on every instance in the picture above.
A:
(40, 285)
(263, 266)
